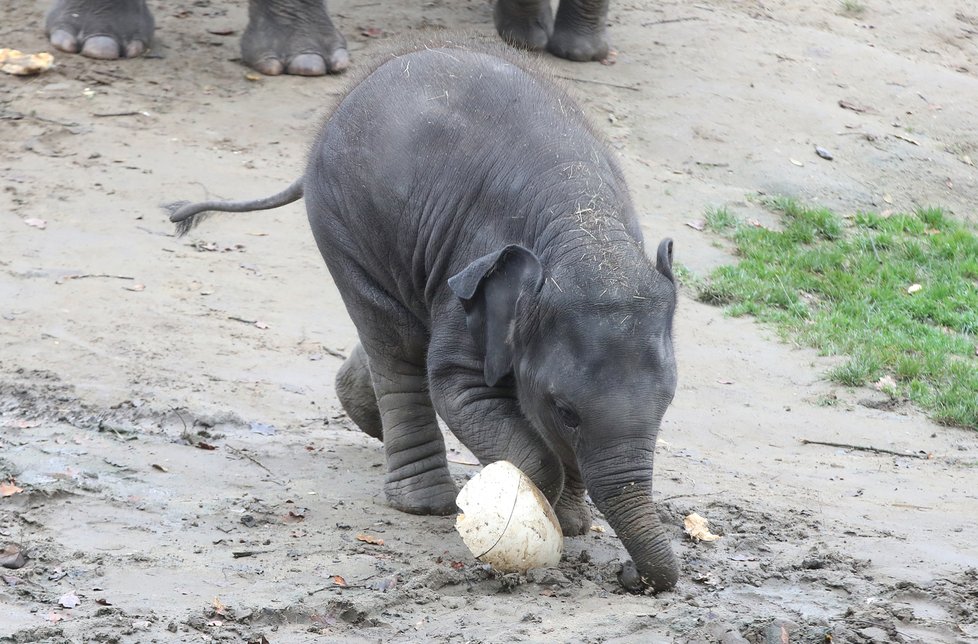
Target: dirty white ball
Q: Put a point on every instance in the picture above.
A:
(507, 522)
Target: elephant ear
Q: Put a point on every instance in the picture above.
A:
(489, 288)
(663, 259)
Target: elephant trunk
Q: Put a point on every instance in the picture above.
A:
(624, 496)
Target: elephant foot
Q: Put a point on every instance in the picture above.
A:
(582, 45)
(356, 393)
(523, 24)
(430, 492)
(573, 514)
(104, 29)
(292, 37)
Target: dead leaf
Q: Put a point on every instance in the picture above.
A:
(913, 288)
(54, 618)
(157, 466)
(887, 198)
(339, 581)
(261, 325)
(373, 32)
(12, 557)
(203, 445)
(27, 424)
(949, 184)
(258, 234)
(723, 381)
(103, 602)
(253, 77)
(136, 288)
(7, 488)
(698, 528)
(697, 224)
(598, 528)
(36, 223)
(366, 538)
(221, 31)
(218, 607)
(457, 565)
(69, 600)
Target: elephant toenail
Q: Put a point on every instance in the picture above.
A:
(307, 65)
(102, 47)
(64, 41)
(135, 49)
(270, 66)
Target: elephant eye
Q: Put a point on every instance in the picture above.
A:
(566, 415)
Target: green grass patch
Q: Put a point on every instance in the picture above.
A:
(848, 288)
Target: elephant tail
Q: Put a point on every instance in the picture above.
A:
(186, 215)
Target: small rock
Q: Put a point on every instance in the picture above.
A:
(875, 634)
(822, 152)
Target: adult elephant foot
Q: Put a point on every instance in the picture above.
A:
(106, 29)
(526, 24)
(292, 37)
(579, 30)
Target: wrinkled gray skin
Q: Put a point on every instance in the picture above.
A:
(298, 37)
(486, 248)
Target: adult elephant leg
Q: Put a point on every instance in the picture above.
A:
(355, 389)
(292, 37)
(579, 30)
(487, 420)
(572, 510)
(524, 23)
(106, 29)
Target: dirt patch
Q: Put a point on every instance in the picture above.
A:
(166, 405)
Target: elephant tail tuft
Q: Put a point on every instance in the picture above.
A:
(187, 215)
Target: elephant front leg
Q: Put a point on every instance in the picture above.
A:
(487, 420)
(417, 478)
(106, 29)
(572, 509)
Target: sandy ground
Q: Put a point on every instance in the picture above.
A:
(113, 391)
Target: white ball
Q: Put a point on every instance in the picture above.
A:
(507, 522)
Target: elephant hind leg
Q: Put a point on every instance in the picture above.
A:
(356, 393)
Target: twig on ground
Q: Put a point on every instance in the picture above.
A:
(246, 321)
(238, 554)
(86, 275)
(670, 20)
(865, 448)
(599, 82)
(255, 461)
(110, 114)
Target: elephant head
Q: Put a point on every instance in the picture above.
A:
(588, 347)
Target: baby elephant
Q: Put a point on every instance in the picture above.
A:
(486, 247)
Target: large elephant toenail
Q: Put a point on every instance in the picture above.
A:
(64, 41)
(270, 66)
(102, 47)
(307, 65)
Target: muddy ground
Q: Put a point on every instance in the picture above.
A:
(166, 404)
